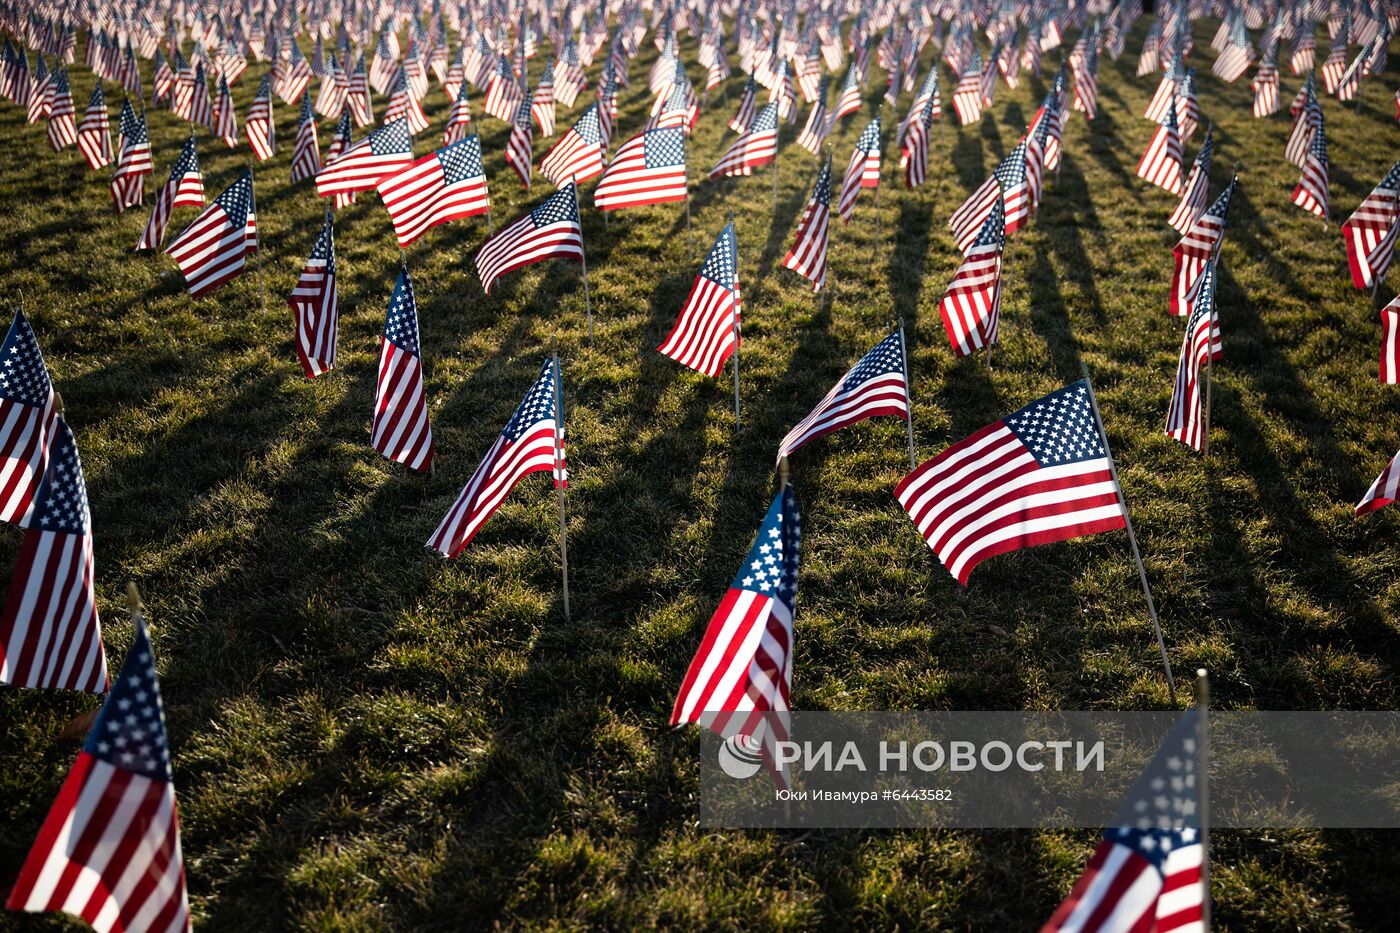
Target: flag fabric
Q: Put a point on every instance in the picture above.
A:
(849, 100)
(1193, 195)
(95, 131)
(569, 78)
(1384, 491)
(201, 111)
(1307, 114)
(913, 154)
(1037, 476)
(863, 171)
(212, 249)
(503, 92)
(296, 78)
(531, 442)
(58, 100)
(1161, 163)
(134, 162)
(1163, 99)
(971, 307)
(808, 254)
(873, 388)
(755, 149)
(1200, 244)
(968, 220)
(1370, 232)
(315, 305)
(814, 130)
(1187, 112)
(1237, 54)
(1265, 83)
(459, 119)
(109, 850)
(184, 188)
(1201, 346)
(1334, 66)
(967, 96)
(578, 156)
(1311, 193)
(27, 418)
(748, 106)
(225, 121)
(262, 131)
(382, 153)
(306, 155)
(707, 330)
(1086, 84)
(542, 102)
(926, 108)
(49, 632)
(403, 105)
(647, 169)
(358, 99)
(1016, 191)
(401, 431)
(444, 185)
(520, 145)
(1390, 342)
(550, 231)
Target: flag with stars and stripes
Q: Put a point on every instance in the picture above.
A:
(874, 387)
(262, 132)
(1311, 193)
(401, 431)
(1037, 476)
(1385, 490)
(184, 188)
(1148, 873)
(971, 307)
(520, 145)
(1237, 54)
(967, 95)
(1200, 244)
(1016, 192)
(863, 171)
(1193, 196)
(212, 249)
(366, 163)
(551, 230)
(1164, 98)
(1200, 347)
(201, 110)
(1370, 231)
(444, 185)
(542, 102)
(225, 121)
(459, 119)
(531, 442)
(913, 154)
(569, 77)
(58, 102)
(755, 149)
(808, 254)
(739, 683)
(849, 100)
(95, 131)
(134, 163)
(49, 634)
(1265, 82)
(315, 305)
(578, 155)
(1390, 343)
(1161, 162)
(814, 130)
(969, 219)
(707, 330)
(748, 106)
(306, 153)
(403, 105)
(647, 169)
(27, 418)
(358, 99)
(503, 92)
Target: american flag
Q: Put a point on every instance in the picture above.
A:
(383, 152)
(1086, 84)
(863, 171)
(1188, 115)
(1384, 491)
(1016, 191)
(162, 80)
(520, 145)
(569, 79)
(384, 67)
(262, 131)
(707, 330)
(503, 92)
(814, 131)
(550, 231)
(1370, 231)
(849, 100)
(1390, 343)
(335, 87)
(1200, 245)
(755, 149)
(201, 110)
(182, 99)
(134, 163)
(1311, 193)
(306, 155)
(404, 106)
(531, 442)
(184, 188)
(297, 77)
(971, 308)
(968, 220)
(1201, 346)
(781, 93)
(1306, 121)
(1350, 82)
(62, 132)
(339, 143)
(1148, 872)
(1193, 197)
(401, 431)
(213, 248)
(647, 169)
(739, 683)
(874, 387)
(27, 418)
(41, 85)
(967, 96)
(361, 107)
(542, 102)
(225, 122)
(95, 131)
(1303, 55)
(578, 156)
(315, 305)
(49, 634)
(460, 117)
(678, 106)
(1163, 99)
(808, 254)
(1237, 54)
(748, 106)
(1050, 117)
(1040, 475)
(913, 154)
(1265, 82)
(1161, 163)
(444, 185)
(1336, 62)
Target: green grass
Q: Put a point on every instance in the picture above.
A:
(368, 737)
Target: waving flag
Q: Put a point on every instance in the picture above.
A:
(95, 132)
(459, 119)
(1201, 346)
(648, 169)
(1311, 193)
(1265, 82)
(444, 185)
(212, 250)
(365, 164)
(550, 231)
(863, 171)
(401, 431)
(755, 149)
(404, 106)
(315, 305)
(1371, 230)
(27, 419)
(542, 102)
(707, 330)
(808, 254)
(1385, 490)
(134, 163)
(569, 79)
(1199, 246)
(913, 156)
(1303, 55)
(1048, 126)
(1161, 163)
(59, 102)
(306, 156)
(1037, 476)
(971, 307)
(873, 388)
(503, 92)
(335, 88)
(1193, 197)
(1237, 54)
(1016, 189)
(1086, 84)
(184, 188)
(969, 219)
(815, 129)
(926, 108)
(297, 76)
(849, 100)
(531, 442)
(262, 131)
(578, 156)
(520, 145)
(967, 96)
(1336, 62)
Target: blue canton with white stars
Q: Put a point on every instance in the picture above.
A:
(559, 207)
(1318, 147)
(887, 357)
(771, 567)
(1161, 812)
(870, 139)
(721, 265)
(401, 323)
(133, 128)
(98, 99)
(61, 503)
(461, 160)
(537, 406)
(264, 88)
(587, 126)
(237, 200)
(766, 121)
(1012, 170)
(187, 163)
(23, 376)
(1205, 297)
(305, 108)
(993, 231)
(1221, 206)
(664, 147)
(1391, 181)
(324, 249)
(130, 729)
(822, 193)
(391, 139)
(1207, 150)
(1188, 85)
(1060, 428)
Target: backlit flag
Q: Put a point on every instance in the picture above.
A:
(62, 131)
(569, 79)
(1390, 342)
(1016, 190)
(748, 106)
(212, 250)
(225, 122)
(335, 87)
(27, 418)
(41, 83)
(459, 119)
(201, 110)
(968, 220)
(971, 307)
(444, 185)
(849, 100)
(1237, 54)
(109, 850)
(926, 108)
(1303, 55)
(542, 102)
(1148, 872)
(863, 171)
(873, 388)
(184, 188)
(1200, 245)
(401, 431)
(297, 76)
(403, 105)
(315, 305)
(366, 163)
(1311, 193)
(967, 96)
(339, 143)
(1164, 99)
(1161, 163)
(578, 156)
(550, 231)
(358, 99)
(1188, 115)
(262, 132)
(162, 81)
(1086, 84)
(913, 155)
(707, 330)
(384, 66)
(531, 442)
(306, 155)
(49, 634)
(647, 169)
(134, 162)
(95, 131)
(182, 99)
(520, 145)
(755, 149)
(678, 106)
(1201, 346)
(1193, 197)
(1039, 475)
(1336, 62)
(739, 683)
(1370, 231)
(503, 93)
(808, 254)
(1048, 126)
(815, 129)
(1265, 82)
(1305, 124)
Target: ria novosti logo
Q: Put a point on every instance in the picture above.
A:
(740, 756)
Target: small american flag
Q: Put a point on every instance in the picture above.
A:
(1303, 54)
(335, 87)
(647, 169)
(967, 96)
(707, 330)
(971, 307)
(1037, 476)
(339, 143)
(1265, 82)
(755, 149)
(401, 431)
(849, 100)
(926, 108)
(383, 152)
(863, 171)
(225, 121)
(531, 442)
(315, 305)
(969, 219)
(913, 155)
(201, 110)
(1200, 244)
(58, 99)
(262, 131)
(1164, 98)
(1336, 62)
(1390, 342)
(297, 76)
(1193, 197)
(95, 131)
(1311, 193)
(1188, 115)
(748, 106)
(808, 254)
(542, 102)
(520, 145)
(550, 231)
(1086, 84)
(27, 418)
(569, 79)
(361, 107)
(1201, 346)
(815, 129)
(503, 93)
(460, 118)
(1371, 230)
(1048, 124)
(306, 155)
(874, 387)
(1161, 162)
(444, 185)
(134, 163)
(213, 248)
(1016, 192)
(1237, 54)
(578, 156)
(403, 105)
(184, 188)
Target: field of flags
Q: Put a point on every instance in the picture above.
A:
(880, 292)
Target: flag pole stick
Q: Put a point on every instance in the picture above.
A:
(559, 472)
(1132, 536)
(734, 323)
(1210, 381)
(1203, 785)
(908, 399)
(583, 260)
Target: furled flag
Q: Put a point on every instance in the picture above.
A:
(297, 76)
(364, 164)
(1390, 342)
(1311, 193)
(1199, 348)
(109, 850)
(27, 418)
(62, 131)
(444, 185)
(162, 81)
(49, 632)
(578, 156)
(212, 250)
(863, 171)
(967, 96)
(1040, 475)
(550, 231)
(401, 431)
(531, 442)
(971, 307)
(542, 102)
(1164, 98)
(569, 78)
(520, 145)
(503, 92)
(225, 121)
(262, 132)
(1385, 490)
(707, 330)
(315, 305)
(184, 188)
(306, 155)
(134, 163)
(815, 129)
(1188, 115)
(1237, 54)
(1265, 82)
(755, 149)
(849, 100)
(913, 153)
(361, 107)
(647, 169)
(874, 387)
(1193, 197)
(1334, 66)
(1148, 872)
(1370, 231)
(1161, 163)
(459, 119)
(182, 98)
(95, 131)
(808, 254)
(1199, 246)
(1086, 83)
(739, 683)
(201, 110)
